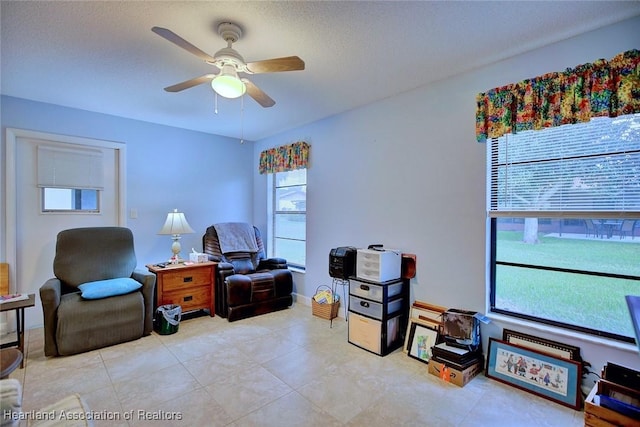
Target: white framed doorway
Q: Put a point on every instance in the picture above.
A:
(30, 234)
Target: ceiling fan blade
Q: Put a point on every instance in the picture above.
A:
(289, 63)
(256, 93)
(190, 83)
(176, 39)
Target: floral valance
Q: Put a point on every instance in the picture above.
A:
(604, 88)
(285, 158)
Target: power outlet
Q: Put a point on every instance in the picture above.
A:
(133, 213)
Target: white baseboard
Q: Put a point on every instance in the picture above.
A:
(302, 299)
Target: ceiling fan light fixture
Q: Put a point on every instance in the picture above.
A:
(228, 84)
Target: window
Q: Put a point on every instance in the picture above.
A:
(70, 199)
(290, 216)
(564, 209)
(70, 178)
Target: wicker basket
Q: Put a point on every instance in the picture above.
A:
(324, 311)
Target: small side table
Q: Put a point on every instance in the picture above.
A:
(19, 307)
(192, 286)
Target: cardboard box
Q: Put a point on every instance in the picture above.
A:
(454, 376)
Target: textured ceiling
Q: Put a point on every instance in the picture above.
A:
(103, 57)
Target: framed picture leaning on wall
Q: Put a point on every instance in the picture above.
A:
(554, 348)
(542, 374)
(421, 339)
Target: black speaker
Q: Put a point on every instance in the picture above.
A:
(342, 262)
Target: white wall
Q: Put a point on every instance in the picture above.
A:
(207, 177)
(407, 172)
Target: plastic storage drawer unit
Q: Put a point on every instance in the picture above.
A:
(372, 291)
(373, 309)
(377, 313)
(378, 266)
(374, 335)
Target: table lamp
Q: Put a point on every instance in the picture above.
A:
(175, 225)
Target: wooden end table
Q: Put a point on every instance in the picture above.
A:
(19, 307)
(191, 286)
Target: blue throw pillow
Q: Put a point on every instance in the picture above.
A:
(109, 288)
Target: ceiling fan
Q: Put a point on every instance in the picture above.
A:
(229, 62)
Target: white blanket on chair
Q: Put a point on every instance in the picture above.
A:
(236, 237)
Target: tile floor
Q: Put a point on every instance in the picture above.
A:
(281, 369)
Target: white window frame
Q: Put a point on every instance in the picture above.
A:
(570, 205)
(64, 200)
(273, 213)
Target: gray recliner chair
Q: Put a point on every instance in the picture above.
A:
(97, 263)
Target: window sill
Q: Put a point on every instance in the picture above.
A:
(297, 270)
(560, 332)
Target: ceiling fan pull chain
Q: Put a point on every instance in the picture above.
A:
(242, 119)
(215, 108)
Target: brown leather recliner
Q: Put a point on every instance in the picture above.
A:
(248, 283)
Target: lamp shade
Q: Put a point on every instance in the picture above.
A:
(228, 84)
(176, 223)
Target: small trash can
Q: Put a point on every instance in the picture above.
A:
(168, 319)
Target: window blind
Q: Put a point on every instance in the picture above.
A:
(582, 170)
(69, 168)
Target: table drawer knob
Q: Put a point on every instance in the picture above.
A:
(187, 279)
(188, 298)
